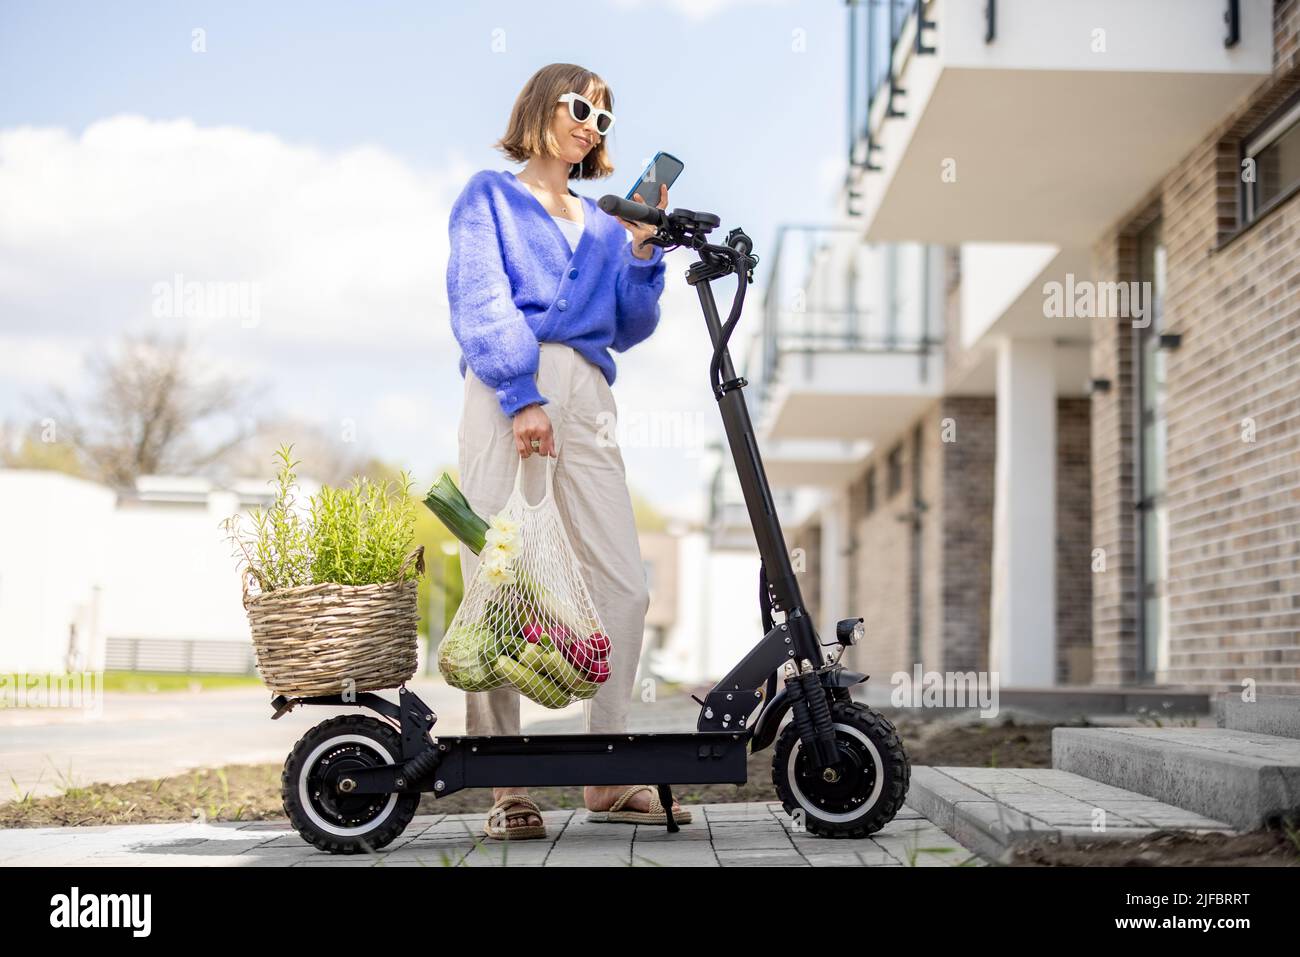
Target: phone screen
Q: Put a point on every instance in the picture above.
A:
(664, 168)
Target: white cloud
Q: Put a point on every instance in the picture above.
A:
(347, 251)
(40, 361)
(339, 247)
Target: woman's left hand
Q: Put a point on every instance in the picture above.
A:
(640, 231)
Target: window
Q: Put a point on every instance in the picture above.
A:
(895, 466)
(1274, 153)
(871, 489)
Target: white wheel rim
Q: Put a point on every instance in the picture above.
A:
(867, 805)
(304, 794)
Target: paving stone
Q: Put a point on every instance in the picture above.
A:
(732, 835)
(851, 860)
(660, 835)
(736, 840)
(760, 858)
(592, 857)
(1238, 777)
(991, 809)
(664, 854)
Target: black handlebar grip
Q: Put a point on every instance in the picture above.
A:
(632, 211)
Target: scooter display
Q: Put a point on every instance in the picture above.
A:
(352, 783)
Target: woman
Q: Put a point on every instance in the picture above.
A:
(542, 284)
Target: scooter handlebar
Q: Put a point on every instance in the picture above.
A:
(632, 211)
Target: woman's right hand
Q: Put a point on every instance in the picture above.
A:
(531, 422)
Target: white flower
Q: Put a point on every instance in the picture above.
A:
(498, 573)
(503, 541)
(504, 524)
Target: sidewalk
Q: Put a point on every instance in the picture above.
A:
(720, 835)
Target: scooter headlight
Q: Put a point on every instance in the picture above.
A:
(850, 631)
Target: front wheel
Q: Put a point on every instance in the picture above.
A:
(314, 786)
(859, 795)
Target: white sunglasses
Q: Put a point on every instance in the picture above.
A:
(580, 108)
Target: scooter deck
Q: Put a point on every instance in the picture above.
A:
(540, 760)
(451, 764)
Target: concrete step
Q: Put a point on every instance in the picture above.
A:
(1064, 703)
(1240, 777)
(992, 810)
(1277, 714)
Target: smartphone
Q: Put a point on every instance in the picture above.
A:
(664, 168)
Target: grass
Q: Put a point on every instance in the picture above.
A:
(148, 682)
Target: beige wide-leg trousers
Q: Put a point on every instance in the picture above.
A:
(590, 488)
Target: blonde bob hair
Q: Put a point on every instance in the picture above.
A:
(529, 132)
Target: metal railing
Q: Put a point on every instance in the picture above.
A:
(875, 62)
(808, 314)
(181, 655)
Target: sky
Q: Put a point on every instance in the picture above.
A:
(306, 155)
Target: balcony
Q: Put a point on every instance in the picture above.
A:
(728, 523)
(849, 353)
(1034, 120)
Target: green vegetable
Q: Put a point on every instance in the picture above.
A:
(538, 688)
(532, 657)
(447, 501)
(466, 660)
(567, 676)
(512, 645)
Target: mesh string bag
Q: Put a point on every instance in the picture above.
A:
(526, 619)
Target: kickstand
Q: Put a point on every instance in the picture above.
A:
(666, 799)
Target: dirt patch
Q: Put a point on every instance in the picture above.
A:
(1268, 848)
(237, 792)
(962, 744)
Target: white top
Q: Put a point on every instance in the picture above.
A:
(572, 231)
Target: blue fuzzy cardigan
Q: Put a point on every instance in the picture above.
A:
(513, 282)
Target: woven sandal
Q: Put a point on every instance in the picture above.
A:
(616, 814)
(498, 826)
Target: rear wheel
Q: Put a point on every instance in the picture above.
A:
(314, 785)
(862, 793)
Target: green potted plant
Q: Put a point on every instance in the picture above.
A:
(331, 595)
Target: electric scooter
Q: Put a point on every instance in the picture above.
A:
(353, 782)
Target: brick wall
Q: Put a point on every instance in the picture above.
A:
(1073, 542)
(955, 538)
(968, 531)
(1234, 505)
(808, 540)
(881, 574)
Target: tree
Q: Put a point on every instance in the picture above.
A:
(36, 447)
(151, 409)
(327, 458)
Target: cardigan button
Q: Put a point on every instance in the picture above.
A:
(573, 274)
(562, 305)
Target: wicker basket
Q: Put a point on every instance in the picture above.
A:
(327, 639)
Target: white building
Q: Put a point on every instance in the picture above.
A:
(92, 579)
